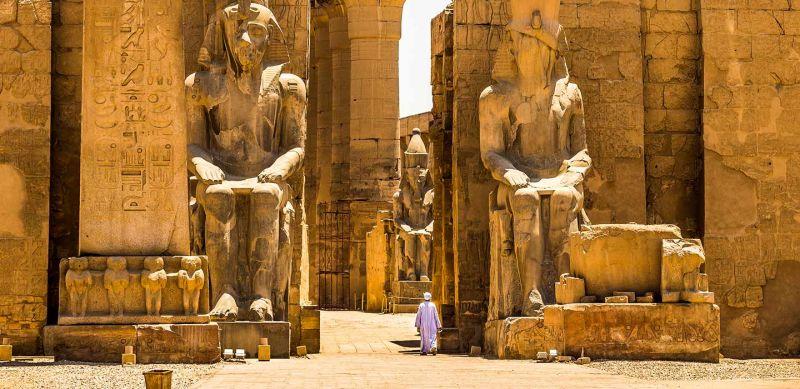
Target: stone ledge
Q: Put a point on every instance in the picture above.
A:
(683, 332)
(170, 343)
(246, 335)
(139, 319)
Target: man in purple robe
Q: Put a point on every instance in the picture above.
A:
(428, 325)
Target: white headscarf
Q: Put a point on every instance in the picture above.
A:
(427, 296)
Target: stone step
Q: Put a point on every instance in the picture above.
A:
(404, 308)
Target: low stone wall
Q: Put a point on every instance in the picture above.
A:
(684, 332)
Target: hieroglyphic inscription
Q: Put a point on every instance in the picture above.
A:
(133, 140)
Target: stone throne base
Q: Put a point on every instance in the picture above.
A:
(407, 295)
(246, 335)
(171, 343)
(682, 332)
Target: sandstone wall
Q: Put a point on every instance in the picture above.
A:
(407, 124)
(672, 92)
(25, 52)
(605, 60)
(752, 188)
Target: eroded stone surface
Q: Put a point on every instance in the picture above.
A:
(688, 332)
(246, 335)
(169, 343)
(133, 138)
(619, 257)
(93, 293)
(681, 279)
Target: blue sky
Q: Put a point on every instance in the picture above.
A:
(415, 55)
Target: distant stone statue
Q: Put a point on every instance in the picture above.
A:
(246, 139)
(116, 279)
(153, 280)
(191, 280)
(413, 212)
(78, 280)
(533, 142)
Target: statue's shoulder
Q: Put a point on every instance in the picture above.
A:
(293, 85)
(497, 91)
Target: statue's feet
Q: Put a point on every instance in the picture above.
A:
(424, 279)
(226, 309)
(261, 310)
(534, 305)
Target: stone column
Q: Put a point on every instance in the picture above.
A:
(441, 134)
(321, 98)
(374, 32)
(339, 45)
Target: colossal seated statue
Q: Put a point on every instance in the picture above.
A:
(533, 142)
(413, 213)
(246, 139)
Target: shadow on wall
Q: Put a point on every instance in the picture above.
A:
(774, 327)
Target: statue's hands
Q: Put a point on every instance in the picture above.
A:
(516, 178)
(272, 174)
(209, 173)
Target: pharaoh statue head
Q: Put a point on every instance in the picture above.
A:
(415, 160)
(531, 51)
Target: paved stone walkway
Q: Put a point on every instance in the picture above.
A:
(371, 350)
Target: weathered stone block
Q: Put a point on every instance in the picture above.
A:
(170, 343)
(569, 290)
(523, 337)
(688, 332)
(615, 257)
(246, 335)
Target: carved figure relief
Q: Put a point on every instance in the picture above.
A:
(78, 281)
(247, 135)
(191, 280)
(413, 213)
(116, 279)
(681, 278)
(153, 279)
(533, 142)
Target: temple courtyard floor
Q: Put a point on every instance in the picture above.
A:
(372, 350)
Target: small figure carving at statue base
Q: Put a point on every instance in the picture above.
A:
(78, 281)
(191, 280)
(413, 212)
(153, 280)
(116, 279)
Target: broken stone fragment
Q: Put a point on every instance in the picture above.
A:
(569, 290)
(631, 295)
(616, 299)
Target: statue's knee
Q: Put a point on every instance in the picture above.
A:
(267, 195)
(526, 200)
(566, 199)
(219, 201)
